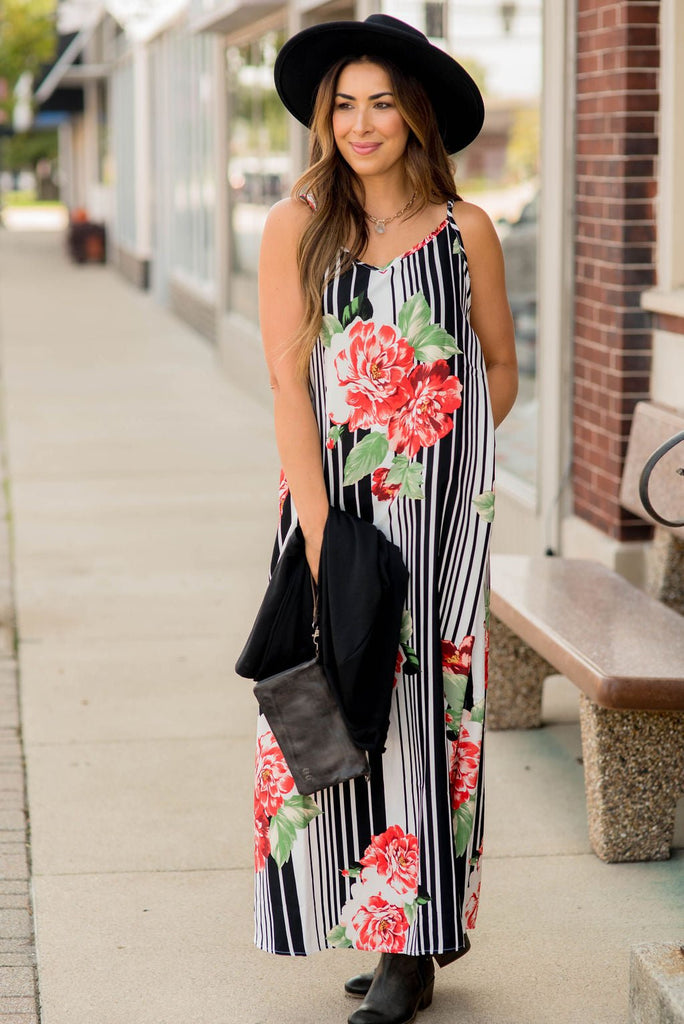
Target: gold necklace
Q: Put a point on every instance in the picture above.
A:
(382, 222)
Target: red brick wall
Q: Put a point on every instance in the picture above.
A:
(617, 145)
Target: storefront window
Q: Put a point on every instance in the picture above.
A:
(259, 164)
(501, 46)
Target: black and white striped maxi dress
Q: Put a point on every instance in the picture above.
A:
(400, 394)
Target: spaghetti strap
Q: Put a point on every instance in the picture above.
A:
(307, 198)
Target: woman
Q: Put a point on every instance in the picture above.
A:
(389, 342)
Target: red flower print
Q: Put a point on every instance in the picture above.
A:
(262, 844)
(423, 419)
(374, 369)
(381, 926)
(457, 660)
(401, 658)
(472, 908)
(464, 766)
(283, 491)
(394, 855)
(272, 780)
(381, 490)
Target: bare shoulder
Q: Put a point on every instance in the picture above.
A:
(476, 228)
(286, 220)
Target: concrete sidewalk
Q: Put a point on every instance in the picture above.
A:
(143, 490)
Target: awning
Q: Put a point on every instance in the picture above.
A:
(233, 15)
(67, 72)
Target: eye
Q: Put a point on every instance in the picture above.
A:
(343, 105)
(383, 105)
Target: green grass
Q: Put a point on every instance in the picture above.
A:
(27, 198)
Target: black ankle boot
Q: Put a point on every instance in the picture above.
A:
(402, 985)
(358, 985)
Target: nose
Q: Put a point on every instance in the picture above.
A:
(361, 121)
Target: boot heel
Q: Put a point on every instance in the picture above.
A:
(427, 996)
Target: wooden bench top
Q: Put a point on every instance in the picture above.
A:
(618, 645)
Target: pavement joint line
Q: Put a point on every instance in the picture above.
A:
(13, 842)
(140, 871)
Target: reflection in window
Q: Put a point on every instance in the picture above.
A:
(259, 171)
(500, 45)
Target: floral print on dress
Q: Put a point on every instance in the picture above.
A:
(464, 729)
(472, 894)
(424, 418)
(373, 370)
(383, 901)
(279, 811)
(283, 491)
(395, 382)
(484, 505)
(464, 765)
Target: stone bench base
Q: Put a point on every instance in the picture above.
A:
(516, 676)
(633, 775)
(633, 760)
(656, 984)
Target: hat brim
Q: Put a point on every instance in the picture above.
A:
(306, 57)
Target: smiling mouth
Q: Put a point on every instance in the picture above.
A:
(365, 147)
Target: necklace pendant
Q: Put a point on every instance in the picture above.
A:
(380, 227)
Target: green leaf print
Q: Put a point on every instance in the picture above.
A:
(334, 434)
(295, 813)
(411, 665)
(456, 248)
(337, 937)
(414, 315)
(408, 474)
(478, 712)
(464, 820)
(299, 810)
(406, 628)
(429, 341)
(487, 597)
(359, 306)
(455, 691)
(281, 834)
(330, 326)
(434, 343)
(365, 457)
(484, 503)
(410, 911)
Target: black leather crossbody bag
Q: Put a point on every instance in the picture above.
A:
(307, 723)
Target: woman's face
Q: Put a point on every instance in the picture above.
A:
(369, 131)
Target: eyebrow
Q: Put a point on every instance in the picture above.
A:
(375, 96)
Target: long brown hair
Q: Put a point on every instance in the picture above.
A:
(338, 232)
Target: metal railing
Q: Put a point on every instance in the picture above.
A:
(645, 478)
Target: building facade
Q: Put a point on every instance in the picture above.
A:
(577, 165)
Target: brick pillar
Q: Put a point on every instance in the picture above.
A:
(617, 145)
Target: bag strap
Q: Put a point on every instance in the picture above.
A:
(315, 632)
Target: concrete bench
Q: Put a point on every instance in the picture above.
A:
(625, 653)
(656, 991)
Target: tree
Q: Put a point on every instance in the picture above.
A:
(27, 40)
(23, 150)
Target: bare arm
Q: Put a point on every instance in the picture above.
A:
(490, 314)
(281, 309)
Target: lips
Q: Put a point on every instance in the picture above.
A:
(365, 148)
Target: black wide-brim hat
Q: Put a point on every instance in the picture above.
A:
(304, 59)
